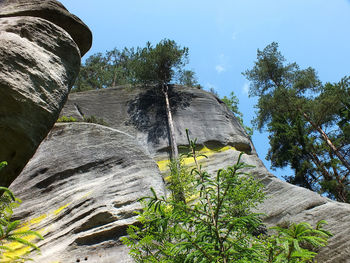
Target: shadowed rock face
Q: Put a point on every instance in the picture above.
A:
(40, 49)
(141, 112)
(82, 184)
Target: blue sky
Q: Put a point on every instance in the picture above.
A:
(224, 35)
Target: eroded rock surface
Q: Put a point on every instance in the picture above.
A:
(78, 158)
(141, 112)
(53, 11)
(81, 189)
(40, 49)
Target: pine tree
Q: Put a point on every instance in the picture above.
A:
(158, 66)
(306, 120)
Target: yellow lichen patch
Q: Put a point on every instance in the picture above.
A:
(57, 211)
(9, 257)
(163, 165)
(17, 249)
(36, 221)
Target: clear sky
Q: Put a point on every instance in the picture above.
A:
(224, 35)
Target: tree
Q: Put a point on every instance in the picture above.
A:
(150, 65)
(158, 66)
(218, 225)
(302, 116)
(105, 70)
(188, 78)
(93, 75)
(232, 103)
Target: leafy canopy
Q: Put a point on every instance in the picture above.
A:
(142, 65)
(159, 64)
(308, 122)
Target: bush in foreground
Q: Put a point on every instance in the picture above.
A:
(13, 238)
(219, 225)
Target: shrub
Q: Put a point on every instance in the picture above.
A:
(89, 119)
(93, 119)
(67, 119)
(217, 226)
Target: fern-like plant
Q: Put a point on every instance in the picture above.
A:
(10, 230)
(298, 242)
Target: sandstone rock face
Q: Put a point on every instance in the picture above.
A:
(39, 60)
(53, 11)
(81, 189)
(117, 166)
(141, 112)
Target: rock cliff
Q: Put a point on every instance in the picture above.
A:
(81, 186)
(40, 48)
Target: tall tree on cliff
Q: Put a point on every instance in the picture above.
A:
(116, 67)
(158, 66)
(307, 122)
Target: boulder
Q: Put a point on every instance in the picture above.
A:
(54, 12)
(39, 61)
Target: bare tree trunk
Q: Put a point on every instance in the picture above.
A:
(173, 144)
(320, 166)
(328, 142)
(179, 192)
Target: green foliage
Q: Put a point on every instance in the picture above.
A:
(10, 230)
(232, 103)
(93, 119)
(66, 119)
(160, 64)
(104, 70)
(148, 65)
(188, 78)
(219, 225)
(180, 181)
(307, 122)
(89, 119)
(297, 243)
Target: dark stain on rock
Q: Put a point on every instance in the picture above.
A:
(148, 111)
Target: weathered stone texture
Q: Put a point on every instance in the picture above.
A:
(81, 190)
(289, 203)
(53, 11)
(95, 174)
(141, 112)
(39, 61)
